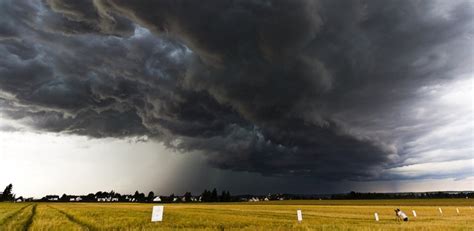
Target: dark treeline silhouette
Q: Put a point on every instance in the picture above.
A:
(409, 195)
(112, 196)
(225, 196)
(212, 196)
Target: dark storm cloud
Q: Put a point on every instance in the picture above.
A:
(87, 16)
(282, 88)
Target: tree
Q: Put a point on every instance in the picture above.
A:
(206, 196)
(7, 193)
(187, 197)
(214, 196)
(100, 194)
(170, 198)
(89, 197)
(64, 197)
(229, 197)
(139, 197)
(225, 196)
(151, 196)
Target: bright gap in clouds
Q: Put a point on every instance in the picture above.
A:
(445, 148)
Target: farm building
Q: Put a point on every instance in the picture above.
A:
(52, 198)
(254, 199)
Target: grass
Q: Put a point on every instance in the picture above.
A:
(273, 215)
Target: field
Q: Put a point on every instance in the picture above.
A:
(273, 215)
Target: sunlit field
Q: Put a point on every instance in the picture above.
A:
(273, 215)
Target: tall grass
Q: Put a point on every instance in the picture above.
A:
(317, 215)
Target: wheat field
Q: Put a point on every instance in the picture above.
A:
(273, 215)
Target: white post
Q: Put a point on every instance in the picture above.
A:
(440, 211)
(299, 215)
(376, 216)
(414, 213)
(457, 210)
(157, 213)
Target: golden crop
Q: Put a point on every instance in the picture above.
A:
(273, 215)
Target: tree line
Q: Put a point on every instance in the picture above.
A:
(112, 196)
(411, 195)
(225, 196)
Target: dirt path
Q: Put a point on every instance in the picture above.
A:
(29, 221)
(12, 215)
(74, 220)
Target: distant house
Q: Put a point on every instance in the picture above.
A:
(72, 199)
(175, 199)
(78, 199)
(115, 199)
(266, 199)
(101, 199)
(52, 198)
(157, 199)
(19, 200)
(254, 199)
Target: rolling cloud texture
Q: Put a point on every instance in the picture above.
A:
(328, 89)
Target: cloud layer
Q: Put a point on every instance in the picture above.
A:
(330, 89)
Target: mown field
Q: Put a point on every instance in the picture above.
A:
(273, 215)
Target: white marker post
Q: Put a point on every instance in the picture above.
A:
(299, 215)
(414, 213)
(157, 214)
(457, 210)
(440, 211)
(376, 216)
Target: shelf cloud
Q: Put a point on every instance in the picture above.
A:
(338, 90)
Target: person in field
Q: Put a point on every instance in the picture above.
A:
(401, 215)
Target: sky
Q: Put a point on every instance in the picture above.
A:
(251, 96)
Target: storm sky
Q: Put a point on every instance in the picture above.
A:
(253, 96)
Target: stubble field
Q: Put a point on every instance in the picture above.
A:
(278, 215)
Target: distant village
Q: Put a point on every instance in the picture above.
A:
(206, 196)
(112, 196)
(225, 196)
